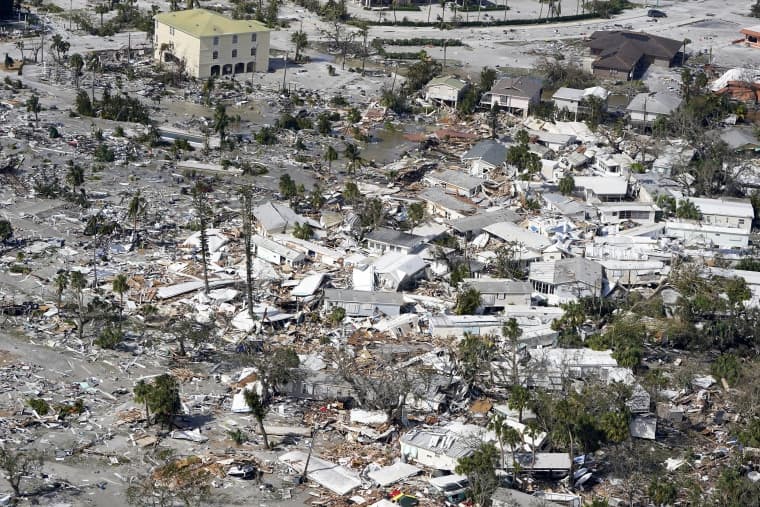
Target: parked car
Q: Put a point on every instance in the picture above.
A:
(655, 13)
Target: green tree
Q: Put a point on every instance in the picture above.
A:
(473, 358)
(468, 301)
(288, 187)
(337, 314)
(137, 207)
(317, 198)
(221, 122)
(567, 185)
(726, 366)
(120, 286)
(101, 9)
(301, 42)
(353, 155)
(303, 231)
(687, 210)
(330, 156)
(34, 107)
(662, 492)
(351, 192)
(259, 409)
(60, 48)
(505, 435)
(6, 230)
(78, 283)
(161, 397)
(61, 282)
(519, 399)
(76, 62)
(615, 425)
(480, 469)
(324, 126)
(201, 195)
(415, 214)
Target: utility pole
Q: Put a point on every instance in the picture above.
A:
(444, 56)
(71, 13)
(308, 457)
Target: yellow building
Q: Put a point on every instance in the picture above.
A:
(211, 44)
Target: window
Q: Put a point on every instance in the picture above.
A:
(741, 221)
(234, 39)
(253, 51)
(234, 53)
(215, 55)
(216, 41)
(253, 37)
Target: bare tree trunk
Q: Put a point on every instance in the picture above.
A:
(263, 432)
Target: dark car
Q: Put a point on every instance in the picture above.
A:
(654, 13)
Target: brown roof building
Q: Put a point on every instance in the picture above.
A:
(626, 55)
(751, 36)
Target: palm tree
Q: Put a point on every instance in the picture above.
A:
(60, 47)
(259, 409)
(94, 66)
(136, 209)
(246, 211)
(201, 193)
(221, 122)
(75, 176)
(78, 282)
(512, 332)
(120, 286)
(443, 12)
(301, 41)
(101, 9)
(353, 154)
(33, 106)
(330, 156)
(61, 282)
(142, 394)
(76, 62)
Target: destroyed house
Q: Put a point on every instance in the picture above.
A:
(500, 292)
(383, 240)
(359, 303)
(504, 497)
(448, 206)
(270, 251)
(473, 225)
(484, 157)
(274, 218)
(318, 385)
(566, 280)
(626, 55)
(439, 448)
(455, 182)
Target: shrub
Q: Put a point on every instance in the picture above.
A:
(39, 405)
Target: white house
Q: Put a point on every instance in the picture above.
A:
(566, 280)
(455, 182)
(724, 222)
(500, 292)
(275, 253)
(617, 212)
(571, 98)
(445, 90)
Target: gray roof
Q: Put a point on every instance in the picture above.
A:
(477, 222)
(654, 103)
(457, 178)
(563, 271)
(440, 441)
(523, 86)
(488, 150)
(499, 286)
(393, 237)
(504, 497)
(738, 138)
(364, 296)
(448, 201)
(571, 94)
(510, 232)
(273, 216)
